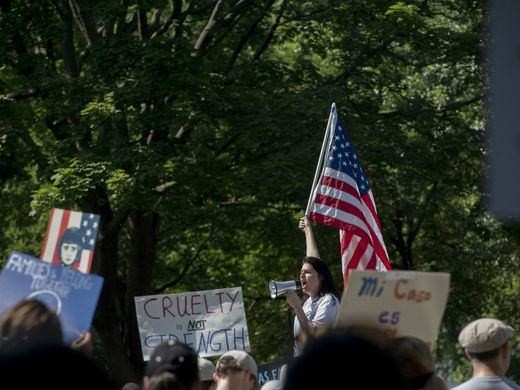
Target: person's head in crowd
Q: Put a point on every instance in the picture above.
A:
(206, 371)
(340, 357)
(417, 364)
(236, 370)
(70, 246)
(314, 332)
(131, 386)
(172, 366)
(316, 278)
(29, 324)
(283, 373)
(486, 343)
(373, 334)
(53, 367)
(274, 384)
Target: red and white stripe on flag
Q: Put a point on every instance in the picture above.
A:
(342, 198)
(59, 221)
(337, 203)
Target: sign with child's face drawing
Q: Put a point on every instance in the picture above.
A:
(211, 322)
(402, 303)
(71, 239)
(72, 294)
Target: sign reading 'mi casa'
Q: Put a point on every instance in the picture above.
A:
(401, 303)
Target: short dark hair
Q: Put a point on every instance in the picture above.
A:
(173, 362)
(72, 236)
(228, 364)
(324, 360)
(74, 370)
(485, 356)
(29, 324)
(327, 285)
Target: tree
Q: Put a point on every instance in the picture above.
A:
(193, 129)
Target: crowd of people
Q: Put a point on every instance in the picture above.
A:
(324, 356)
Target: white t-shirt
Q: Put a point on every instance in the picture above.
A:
(322, 311)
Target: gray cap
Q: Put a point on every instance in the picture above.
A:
(274, 384)
(484, 334)
(242, 360)
(206, 369)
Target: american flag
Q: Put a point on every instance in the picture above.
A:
(343, 199)
(86, 227)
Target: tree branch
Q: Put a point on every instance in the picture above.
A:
(448, 107)
(117, 221)
(176, 16)
(424, 207)
(84, 21)
(211, 23)
(163, 187)
(67, 49)
(20, 95)
(245, 37)
(399, 241)
(187, 264)
(263, 46)
(142, 23)
(58, 128)
(237, 9)
(120, 19)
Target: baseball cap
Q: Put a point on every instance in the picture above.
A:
(239, 359)
(484, 334)
(175, 357)
(274, 384)
(206, 369)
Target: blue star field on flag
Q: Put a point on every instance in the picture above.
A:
(343, 158)
(89, 229)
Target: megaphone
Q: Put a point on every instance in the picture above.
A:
(278, 288)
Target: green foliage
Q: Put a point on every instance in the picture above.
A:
(117, 112)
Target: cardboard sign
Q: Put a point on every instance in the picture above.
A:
(270, 371)
(72, 294)
(402, 303)
(211, 322)
(70, 239)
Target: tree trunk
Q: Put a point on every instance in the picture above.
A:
(403, 247)
(143, 229)
(109, 317)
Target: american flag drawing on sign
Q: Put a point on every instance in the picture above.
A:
(343, 199)
(70, 239)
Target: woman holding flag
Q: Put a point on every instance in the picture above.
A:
(320, 309)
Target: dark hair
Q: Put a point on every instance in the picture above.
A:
(485, 356)
(324, 361)
(173, 365)
(166, 380)
(53, 367)
(29, 324)
(415, 361)
(327, 284)
(206, 385)
(226, 365)
(72, 236)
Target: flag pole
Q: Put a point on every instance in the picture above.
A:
(326, 138)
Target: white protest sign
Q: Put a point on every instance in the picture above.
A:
(402, 303)
(211, 322)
